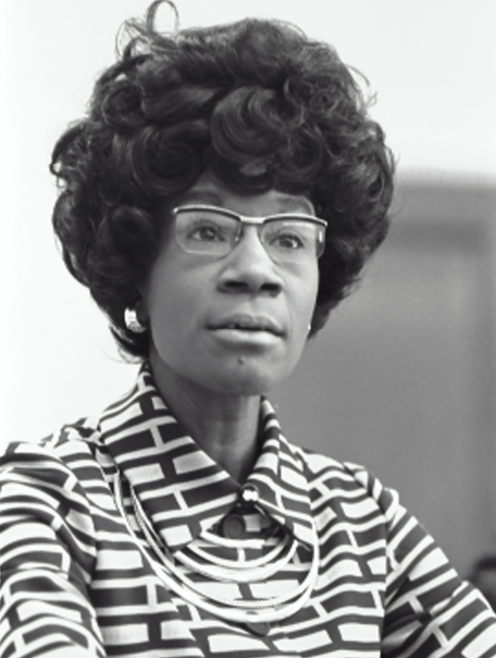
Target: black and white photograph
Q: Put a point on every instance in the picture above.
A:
(248, 329)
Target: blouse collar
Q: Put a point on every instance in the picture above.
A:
(183, 490)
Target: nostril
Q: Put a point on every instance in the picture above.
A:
(235, 286)
(271, 287)
(251, 285)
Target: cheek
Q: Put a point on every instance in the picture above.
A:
(162, 302)
(171, 312)
(305, 300)
(172, 331)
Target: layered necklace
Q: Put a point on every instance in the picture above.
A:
(182, 572)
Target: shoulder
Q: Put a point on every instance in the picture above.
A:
(63, 459)
(58, 487)
(348, 487)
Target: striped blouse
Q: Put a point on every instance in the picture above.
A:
(116, 531)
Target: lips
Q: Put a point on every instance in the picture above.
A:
(245, 322)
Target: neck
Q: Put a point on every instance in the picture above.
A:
(225, 427)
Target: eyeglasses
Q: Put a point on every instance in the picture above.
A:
(286, 237)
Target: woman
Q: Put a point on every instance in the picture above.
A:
(220, 198)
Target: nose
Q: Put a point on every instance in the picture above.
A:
(249, 268)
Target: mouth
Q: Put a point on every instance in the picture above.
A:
(249, 324)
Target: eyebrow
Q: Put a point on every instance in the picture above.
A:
(286, 203)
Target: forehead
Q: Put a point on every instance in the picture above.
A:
(210, 190)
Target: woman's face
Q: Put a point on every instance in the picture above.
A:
(235, 324)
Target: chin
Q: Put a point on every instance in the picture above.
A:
(248, 381)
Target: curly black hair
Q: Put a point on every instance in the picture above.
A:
(254, 92)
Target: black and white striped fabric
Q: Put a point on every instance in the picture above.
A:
(77, 574)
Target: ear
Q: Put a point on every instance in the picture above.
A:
(141, 307)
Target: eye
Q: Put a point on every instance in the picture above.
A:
(287, 239)
(206, 231)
